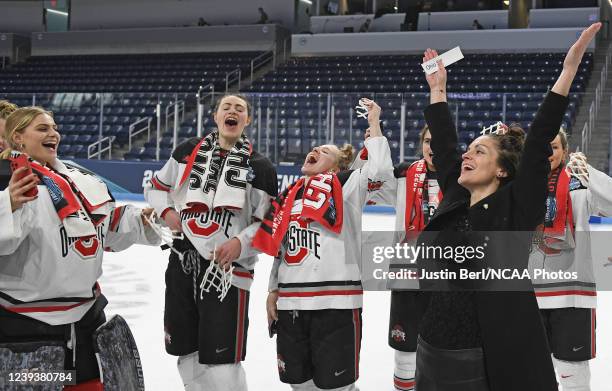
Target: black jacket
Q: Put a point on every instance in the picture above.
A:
(513, 338)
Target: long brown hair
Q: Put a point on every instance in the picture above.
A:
(422, 137)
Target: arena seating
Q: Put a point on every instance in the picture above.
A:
(483, 89)
(520, 72)
(479, 86)
(182, 72)
(133, 84)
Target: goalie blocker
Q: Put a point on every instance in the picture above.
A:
(118, 356)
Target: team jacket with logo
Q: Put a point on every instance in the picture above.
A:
(580, 292)
(46, 275)
(207, 230)
(319, 269)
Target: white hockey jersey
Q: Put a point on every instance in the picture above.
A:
(580, 292)
(207, 230)
(46, 275)
(393, 193)
(319, 269)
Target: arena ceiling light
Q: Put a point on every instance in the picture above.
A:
(57, 12)
(309, 2)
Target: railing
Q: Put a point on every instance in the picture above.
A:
(203, 93)
(276, 52)
(332, 128)
(595, 106)
(260, 60)
(310, 119)
(138, 127)
(171, 114)
(586, 138)
(101, 149)
(233, 77)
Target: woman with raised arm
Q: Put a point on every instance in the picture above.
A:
(215, 190)
(417, 198)
(576, 191)
(314, 231)
(56, 221)
(415, 195)
(472, 339)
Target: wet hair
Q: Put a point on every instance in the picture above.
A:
(6, 108)
(509, 148)
(345, 158)
(239, 96)
(17, 122)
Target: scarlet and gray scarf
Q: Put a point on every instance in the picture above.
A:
(77, 198)
(559, 215)
(416, 195)
(216, 182)
(322, 203)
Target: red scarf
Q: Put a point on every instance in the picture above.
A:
(64, 194)
(414, 220)
(321, 202)
(559, 212)
(363, 155)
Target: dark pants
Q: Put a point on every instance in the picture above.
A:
(322, 345)
(450, 370)
(217, 330)
(15, 327)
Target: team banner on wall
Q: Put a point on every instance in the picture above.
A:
(131, 176)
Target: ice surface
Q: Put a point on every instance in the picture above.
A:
(133, 282)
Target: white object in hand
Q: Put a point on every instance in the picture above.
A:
(164, 232)
(362, 110)
(448, 58)
(578, 167)
(217, 278)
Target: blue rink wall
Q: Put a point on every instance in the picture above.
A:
(130, 177)
(126, 180)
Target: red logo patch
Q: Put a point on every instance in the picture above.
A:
(87, 248)
(206, 230)
(398, 334)
(295, 254)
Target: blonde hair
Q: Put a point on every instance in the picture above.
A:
(345, 158)
(17, 122)
(6, 108)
